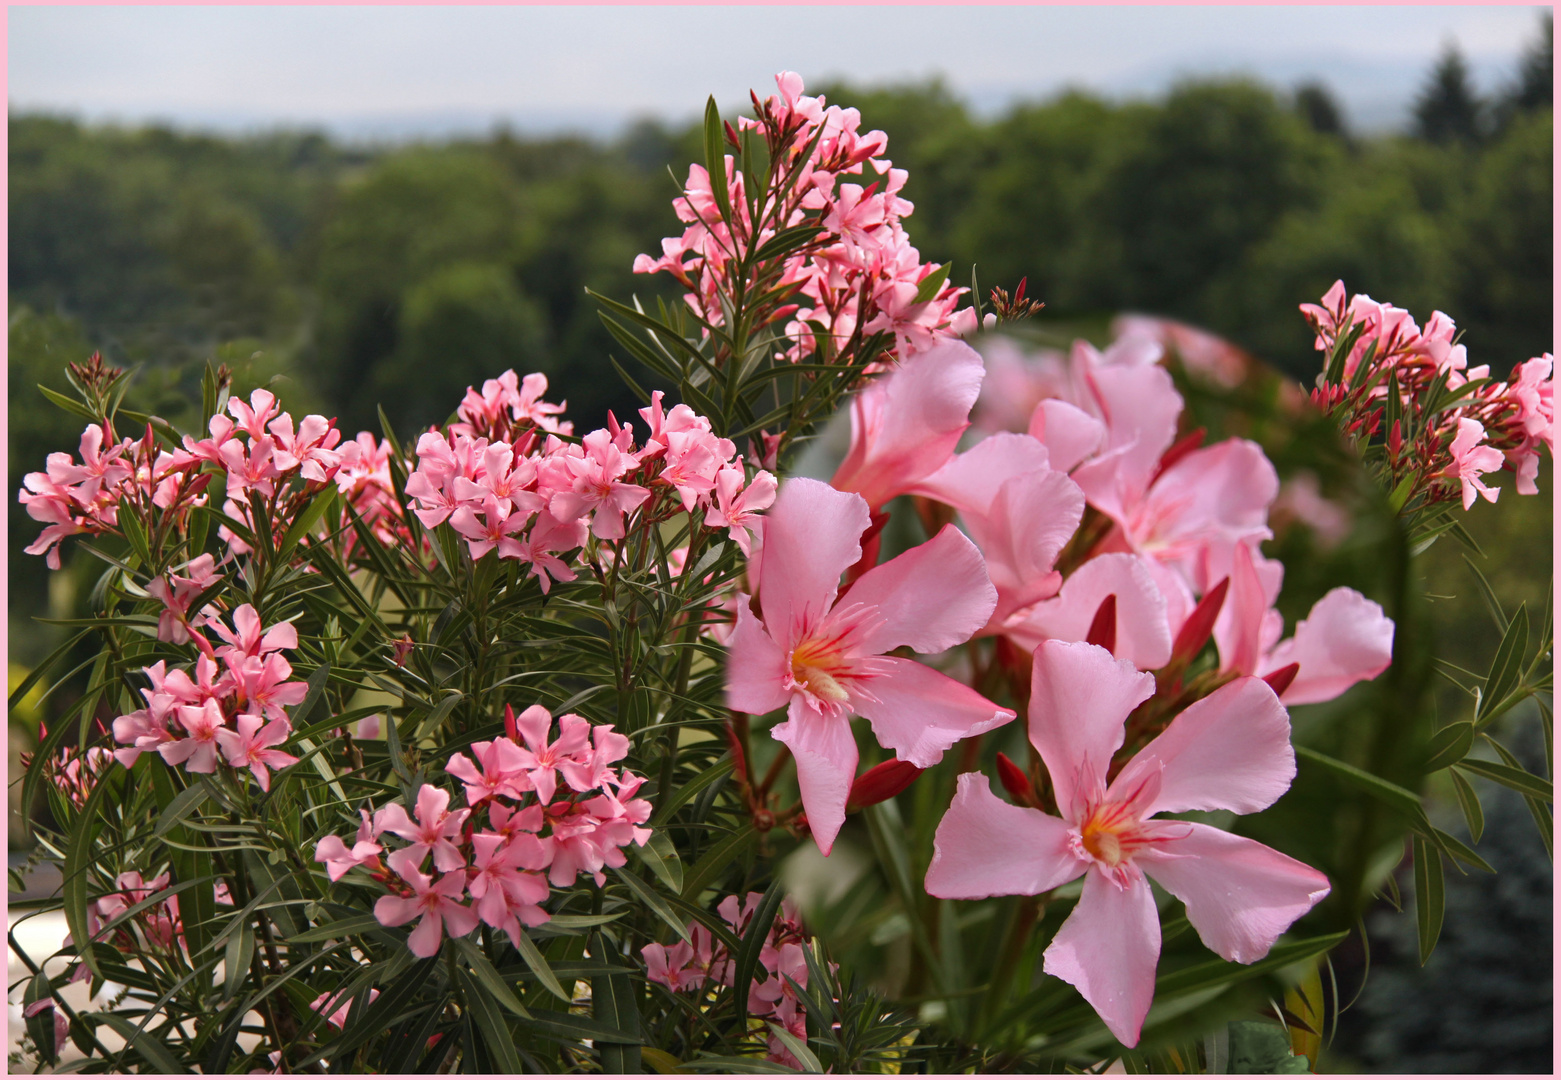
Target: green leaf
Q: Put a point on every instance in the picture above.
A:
(496, 1036)
(78, 859)
(1488, 595)
(753, 943)
(665, 808)
(652, 901)
(343, 928)
(539, 967)
(613, 1003)
(1469, 802)
(436, 717)
(488, 976)
(1429, 899)
(798, 1048)
(182, 804)
(239, 953)
(1507, 665)
(1449, 745)
(1522, 782)
(929, 285)
(316, 684)
(1263, 1047)
(660, 1060)
(573, 1028)
(661, 855)
(717, 861)
(715, 160)
(1451, 845)
(70, 405)
(1401, 799)
(148, 1046)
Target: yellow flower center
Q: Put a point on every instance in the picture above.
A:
(1108, 833)
(816, 667)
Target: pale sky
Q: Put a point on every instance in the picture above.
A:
(594, 67)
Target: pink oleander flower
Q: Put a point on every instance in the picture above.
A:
(197, 751)
(595, 485)
(825, 659)
(541, 760)
(1141, 632)
(683, 965)
(1471, 460)
(339, 858)
(1229, 751)
(737, 507)
(176, 593)
(1344, 640)
(503, 883)
(433, 830)
(334, 1008)
(250, 746)
(906, 423)
(499, 771)
(433, 903)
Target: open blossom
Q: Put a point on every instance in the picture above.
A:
(435, 904)
(339, 858)
(1345, 639)
(906, 423)
(252, 746)
(824, 659)
(737, 507)
(434, 830)
(1229, 751)
(1471, 461)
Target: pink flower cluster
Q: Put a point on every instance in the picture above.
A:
(159, 923)
(550, 809)
(231, 711)
(83, 497)
(1493, 424)
(860, 275)
(533, 499)
(703, 964)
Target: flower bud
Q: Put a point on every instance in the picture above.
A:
(1279, 681)
(1014, 780)
(881, 782)
(1200, 624)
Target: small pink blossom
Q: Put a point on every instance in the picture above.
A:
(436, 824)
(1471, 461)
(433, 903)
(250, 747)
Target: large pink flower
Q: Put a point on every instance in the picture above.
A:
(906, 423)
(1229, 751)
(825, 660)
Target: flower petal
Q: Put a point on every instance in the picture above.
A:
(826, 757)
(1080, 696)
(1068, 432)
(812, 535)
(1108, 949)
(970, 481)
(987, 847)
(907, 423)
(424, 941)
(755, 666)
(1344, 640)
(933, 597)
(919, 713)
(1240, 894)
(1143, 632)
(1229, 751)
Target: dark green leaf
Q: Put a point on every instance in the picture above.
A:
(1469, 802)
(496, 1036)
(1506, 775)
(929, 285)
(1449, 745)
(757, 933)
(343, 928)
(647, 894)
(539, 967)
(1507, 665)
(488, 976)
(147, 1045)
(717, 861)
(1429, 899)
(715, 160)
(1488, 595)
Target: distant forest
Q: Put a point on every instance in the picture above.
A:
(401, 275)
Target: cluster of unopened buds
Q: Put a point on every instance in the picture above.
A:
(539, 812)
(860, 275)
(1489, 425)
(74, 772)
(539, 496)
(702, 964)
(231, 711)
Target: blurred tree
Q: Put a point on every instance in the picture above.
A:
(1503, 246)
(463, 323)
(1320, 109)
(1534, 88)
(1448, 109)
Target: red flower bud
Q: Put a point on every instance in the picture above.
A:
(1103, 630)
(1200, 624)
(881, 782)
(1014, 780)
(511, 729)
(1280, 680)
